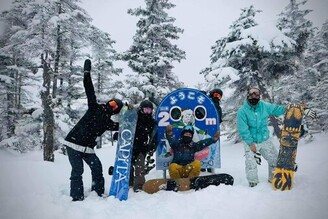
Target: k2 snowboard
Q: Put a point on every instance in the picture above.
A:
(283, 177)
(121, 172)
(185, 184)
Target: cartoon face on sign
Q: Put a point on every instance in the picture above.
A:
(187, 107)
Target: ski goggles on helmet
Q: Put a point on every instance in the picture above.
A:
(217, 95)
(254, 93)
(113, 104)
(147, 110)
(188, 128)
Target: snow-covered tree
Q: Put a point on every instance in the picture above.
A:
(152, 53)
(103, 56)
(293, 22)
(251, 55)
(319, 61)
(54, 35)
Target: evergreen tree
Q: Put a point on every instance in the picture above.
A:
(152, 53)
(293, 23)
(103, 62)
(319, 61)
(55, 32)
(249, 56)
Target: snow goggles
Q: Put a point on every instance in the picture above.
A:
(147, 110)
(253, 92)
(113, 104)
(217, 95)
(188, 128)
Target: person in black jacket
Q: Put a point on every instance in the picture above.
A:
(81, 140)
(184, 164)
(216, 96)
(145, 141)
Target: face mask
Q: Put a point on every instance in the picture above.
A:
(186, 139)
(253, 101)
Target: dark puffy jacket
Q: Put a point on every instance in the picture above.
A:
(145, 139)
(94, 122)
(216, 101)
(218, 108)
(183, 153)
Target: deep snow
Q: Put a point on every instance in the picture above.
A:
(32, 188)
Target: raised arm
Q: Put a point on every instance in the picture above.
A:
(200, 145)
(88, 86)
(170, 137)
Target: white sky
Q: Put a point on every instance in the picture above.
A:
(203, 21)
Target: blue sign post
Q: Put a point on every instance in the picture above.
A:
(187, 106)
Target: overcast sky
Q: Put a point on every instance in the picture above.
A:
(203, 21)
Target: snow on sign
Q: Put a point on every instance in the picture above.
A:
(182, 107)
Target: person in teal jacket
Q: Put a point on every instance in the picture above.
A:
(252, 124)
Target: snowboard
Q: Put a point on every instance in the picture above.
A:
(185, 184)
(283, 177)
(121, 172)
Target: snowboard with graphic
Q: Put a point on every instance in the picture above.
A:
(121, 172)
(185, 184)
(283, 177)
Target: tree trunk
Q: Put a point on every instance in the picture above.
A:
(57, 57)
(48, 116)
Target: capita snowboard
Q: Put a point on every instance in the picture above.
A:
(121, 171)
(283, 176)
(185, 184)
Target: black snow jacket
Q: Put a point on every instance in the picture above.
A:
(145, 139)
(95, 121)
(218, 107)
(183, 153)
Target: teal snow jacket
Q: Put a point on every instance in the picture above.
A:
(252, 121)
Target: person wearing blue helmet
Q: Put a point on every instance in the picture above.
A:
(184, 164)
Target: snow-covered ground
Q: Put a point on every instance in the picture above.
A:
(32, 189)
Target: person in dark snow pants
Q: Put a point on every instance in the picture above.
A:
(216, 96)
(145, 142)
(81, 140)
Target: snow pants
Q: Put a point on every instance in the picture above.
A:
(137, 172)
(76, 160)
(188, 171)
(268, 152)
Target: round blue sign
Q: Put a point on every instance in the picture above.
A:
(187, 106)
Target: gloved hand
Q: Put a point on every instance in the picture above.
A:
(169, 129)
(310, 113)
(257, 157)
(87, 66)
(216, 136)
(115, 136)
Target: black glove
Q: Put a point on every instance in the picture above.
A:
(257, 157)
(115, 136)
(87, 66)
(110, 170)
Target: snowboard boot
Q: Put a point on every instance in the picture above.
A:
(78, 199)
(172, 185)
(251, 184)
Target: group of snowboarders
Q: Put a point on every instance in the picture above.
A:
(252, 126)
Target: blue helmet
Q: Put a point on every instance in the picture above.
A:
(187, 128)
